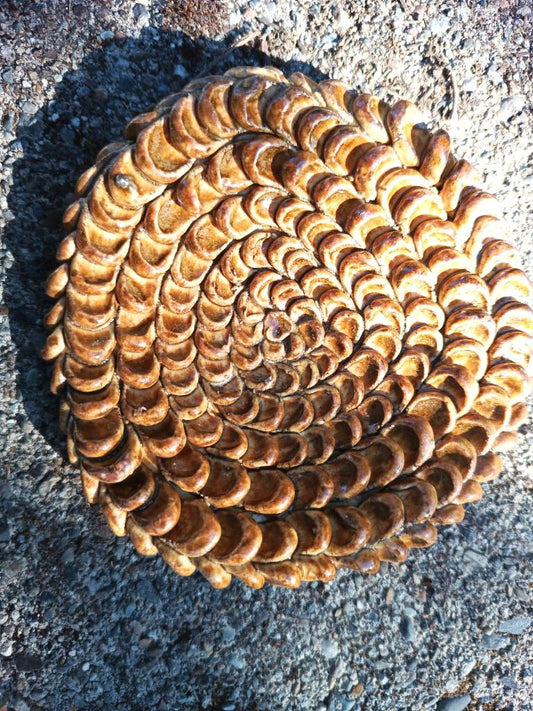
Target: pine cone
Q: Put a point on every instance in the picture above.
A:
(288, 334)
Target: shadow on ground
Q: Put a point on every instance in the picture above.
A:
(58, 556)
(91, 107)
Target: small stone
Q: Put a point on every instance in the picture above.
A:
(9, 121)
(107, 35)
(330, 648)
(328, 41)
(475, 559)
(5, 533)
(228, 634)
(342, 18)
(46, 486)
(458, 703)
(130, 609)
(494, 641)
(407, 628)
(28, 108)
(494, 75)
(357, 690)
(439, 25)
(6, 649)
(470, 84)
(123, 181)
(338, 702)
(268, 13)
(467, 667)
(516, 625)
(140, 14)
(180, 71)
(511, 106)
(27, 662)
(237, 662)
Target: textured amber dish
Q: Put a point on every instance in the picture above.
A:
(288, 335)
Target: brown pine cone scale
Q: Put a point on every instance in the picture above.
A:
(288, 334)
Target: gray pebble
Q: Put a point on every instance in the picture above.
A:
(338, 702)
(494, 75)
(28, 107)
(330, 648)
(524, 11)
(494, 641)
(439, 25)
(516, 625)
(5, 533)
(467, 667)
(458, 703)
(475, 559)
(268, 13)
(237, 662)
(511, 106)
(228, 634)
(407, 628)
(140, 14)
(6, 649)
(470, 84)
(123, 181)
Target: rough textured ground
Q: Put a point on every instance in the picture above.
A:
(85, 623)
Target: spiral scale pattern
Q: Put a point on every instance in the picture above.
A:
(288, 334)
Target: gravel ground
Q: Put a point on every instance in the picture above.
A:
(85, 623)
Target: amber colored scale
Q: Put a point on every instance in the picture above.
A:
(288, 335)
